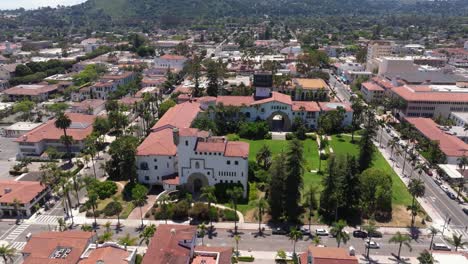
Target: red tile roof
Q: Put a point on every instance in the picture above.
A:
(211, 147)
(328, 255)
(180, 116)
(237, 149)
(193, 132)
(410, 94)
(182, 89)
(172, 181)
(23, 191)
(449, 144)
(173, 57)
(235, 100)
(81, 127)
(165, 246)
(370, 86)
(89, 103)
(107, 254)
(225, 253)
(308, 106)
(275, 97)
(158, 143)
(383, 82)
(130, 101)
(31, 90)
(118, 76)
(41, 246)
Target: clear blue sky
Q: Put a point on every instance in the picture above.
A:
(31, 4)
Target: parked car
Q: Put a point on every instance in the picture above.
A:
(444, 188)
(360, 234)
(438, 182)
(372, 244)
(451, 195)
(428, 171)
(279, 231)
(305, 231)
(465, 210)
(375, 234)
(441, 246)
(321, 232)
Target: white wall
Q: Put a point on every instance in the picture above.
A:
(158, 166)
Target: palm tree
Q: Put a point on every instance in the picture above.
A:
(201, 232)
(127, 240)
(92, 203)
(86, 228)
(462, 163)
(63, 122)
(426, 258)
(370, 229)
(163, 200)
(139, 193)
(7, 253)
(264, 157)
(433, 231)
(317, 240)
(17, 205)
(457, 241)
(118, 210)
(392, 144)
(237, 238)
(235, 194)
(77, 185)
(261, 204)
(416, 188)
(401, 239)
(208, 193)
(381, 124)
(106, 236)
(339, 233)
(147, 234)
(398, 153)
(61, 224)
(107, 225)
(294, 236)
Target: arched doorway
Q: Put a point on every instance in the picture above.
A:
(279, 121)
(195, 182)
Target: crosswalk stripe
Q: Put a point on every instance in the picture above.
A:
(47, 219)
(18, 245)
(15, 233)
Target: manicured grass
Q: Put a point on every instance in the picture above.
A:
(342, 145)
(127, 206)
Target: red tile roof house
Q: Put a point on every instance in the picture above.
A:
(36, 141)
(326, 255)
(88, 107)
(34, 92)
(27, 193)
(175, 154)
(57, 247)
(176, 244)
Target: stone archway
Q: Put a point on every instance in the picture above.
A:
(196, 181)
(279, 121)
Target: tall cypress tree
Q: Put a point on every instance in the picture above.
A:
(366, 146)
(277, 184)
(295, 171)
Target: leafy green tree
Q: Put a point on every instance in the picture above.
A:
(147, 234)
(376, 192)
(101, 126)
(86, 228)
(201, 232)
(457, 241)
(294, 173)
(122, 163)
(401, 239)
(63, 122)
(331, 121)
(331, 198)
(417, 189)
(128, 240)
(214, 72)
(22, 70)
(57, 108)
(24, 107)
(106, 236)
(339, 233)
(62, 225)
(139, 193)
(358, 108)
(277, 193)
(165, 106)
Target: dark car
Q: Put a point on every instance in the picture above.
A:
(376, 234)
(465, 210)
(451, 195)
(360, 233)
(279, 231)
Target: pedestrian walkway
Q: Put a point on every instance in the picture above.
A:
(18, 245)
(15, 233)
(46, 219)
(136, 213)
(278, 135)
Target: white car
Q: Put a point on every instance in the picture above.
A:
(441, 246)
(321, 232)
(444, 188)
(372, 244)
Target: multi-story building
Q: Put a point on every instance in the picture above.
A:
(36, 141)
(26, 193)
(88, 107)
(302, 89)
(173, 62)
(377, 49)
(34, 92)
(106, 85)
(372, 92)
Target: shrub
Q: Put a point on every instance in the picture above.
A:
(97, 213)
(180, 210)
(89, 214)
(199, 212)
(104, 189)
(83, 208)
(289, 136)
(254, 130)
(233, 137)
(246, 258)
(112, 208)
(268, 136)
(229, 215)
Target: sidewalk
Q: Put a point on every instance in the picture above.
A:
(136, 213)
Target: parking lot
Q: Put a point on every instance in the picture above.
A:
(8, 148)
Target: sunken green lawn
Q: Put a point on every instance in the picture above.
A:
(341, 145)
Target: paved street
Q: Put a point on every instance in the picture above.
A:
(341, 89)
(435, 197)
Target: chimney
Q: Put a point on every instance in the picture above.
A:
(175, 136)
